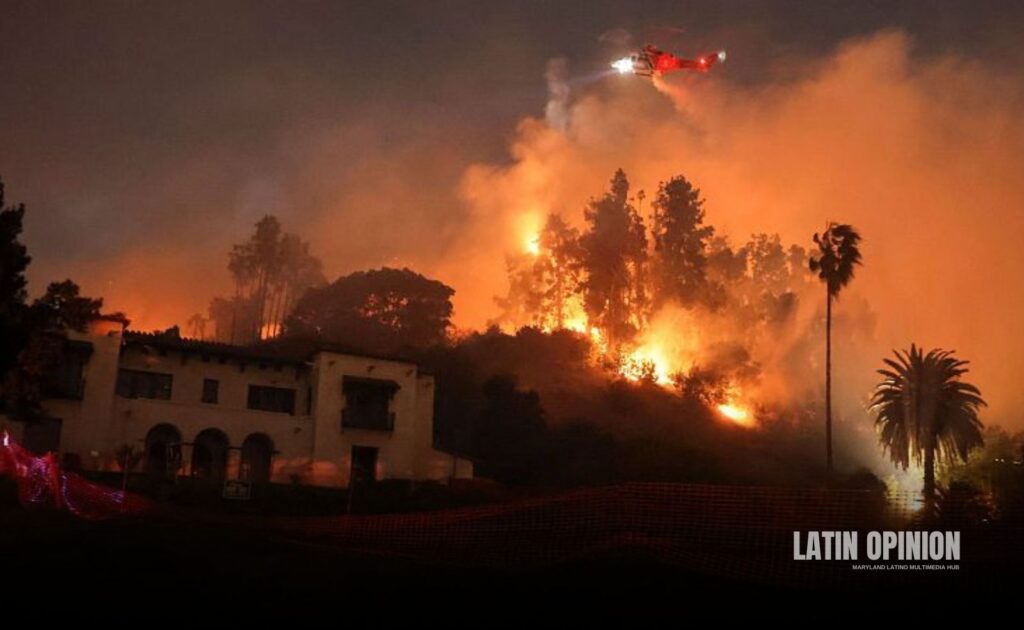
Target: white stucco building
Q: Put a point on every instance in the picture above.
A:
(230, 412)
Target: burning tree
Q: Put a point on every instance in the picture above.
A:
(521, 306)
(559, 267)
(682, 309)
(271, 271)
(544, 282)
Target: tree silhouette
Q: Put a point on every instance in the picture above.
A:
(834, 262)
(559, 266)
(614, 254)
(767, 261)
(522, 304)
(544, 285)
(380, 310)
(726, 271)
(509, 434)
(14, 260)
(231, 315)
(197, 326)
(924, 410)
(63, 307)
(680, 241)
(271, 270)
(47, 321)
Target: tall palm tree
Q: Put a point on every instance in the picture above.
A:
(834, 263)
(924, 410)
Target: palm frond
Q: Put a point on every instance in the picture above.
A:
(837, 256)
(921, 403)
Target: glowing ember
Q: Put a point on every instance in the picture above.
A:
(624, 65)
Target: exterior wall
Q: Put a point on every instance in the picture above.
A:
(290, 434)
(310, 446)
(463, 468)
(87, 424)
(398, 450)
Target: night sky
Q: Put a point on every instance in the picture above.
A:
(123, 124)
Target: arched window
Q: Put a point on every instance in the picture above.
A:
(210, 455)
(257, 450)
(163, 451)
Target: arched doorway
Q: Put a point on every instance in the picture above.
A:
(257, 450)
(163, 451)
(210, 455)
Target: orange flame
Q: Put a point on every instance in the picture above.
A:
(735, 411)
(739, 415)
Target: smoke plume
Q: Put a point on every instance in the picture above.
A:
(919, 154)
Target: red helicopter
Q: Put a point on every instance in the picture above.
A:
(651, 62)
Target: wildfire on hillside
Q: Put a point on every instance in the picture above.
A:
(663, 353)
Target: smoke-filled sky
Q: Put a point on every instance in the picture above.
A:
(145, 139)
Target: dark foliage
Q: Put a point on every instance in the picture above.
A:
(14, 260)
(680, 242)
(382, 310)
(46, 323)
(63, 307)
(925, 411)
(614, 255)
(508, 432)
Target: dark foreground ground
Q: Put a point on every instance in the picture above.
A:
(137, 567)
(54, 566)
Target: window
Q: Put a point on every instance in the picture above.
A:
(66, 380)
(211, 388)
(139, 384)
(367, 403)
(278, 399)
